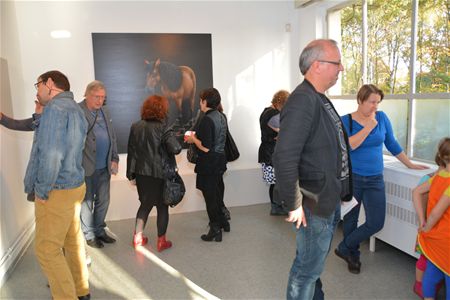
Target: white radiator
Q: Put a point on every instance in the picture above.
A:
(400, 228)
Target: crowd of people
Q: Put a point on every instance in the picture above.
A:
(311, 158)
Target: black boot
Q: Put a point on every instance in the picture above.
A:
(215, 233)
(226, 226)
(226, 213)
(277, 210)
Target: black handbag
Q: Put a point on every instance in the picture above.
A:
(191, 154)
(174, 188)
(231, 150)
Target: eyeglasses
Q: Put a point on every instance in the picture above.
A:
(36, 85)
(336, 63)
(100, 97)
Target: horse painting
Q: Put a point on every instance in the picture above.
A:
(173, 82)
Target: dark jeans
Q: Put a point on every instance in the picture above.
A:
(368, 190)
(95, 204)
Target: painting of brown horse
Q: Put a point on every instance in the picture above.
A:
(173, 82)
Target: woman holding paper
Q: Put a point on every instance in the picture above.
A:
(368, 130)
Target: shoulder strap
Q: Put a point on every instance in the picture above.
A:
(93, 124)
(351, 123)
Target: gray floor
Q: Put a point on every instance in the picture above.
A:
(252, 262)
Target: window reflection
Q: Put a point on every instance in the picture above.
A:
(432, 123)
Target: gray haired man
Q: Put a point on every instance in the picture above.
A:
(312, 166)
(100, 160)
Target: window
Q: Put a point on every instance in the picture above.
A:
(397, 111)
(432, 122)
(389, 45)
(402, 47)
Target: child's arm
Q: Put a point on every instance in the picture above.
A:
(437, 212)
(419, 203)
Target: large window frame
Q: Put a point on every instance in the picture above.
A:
(412, 95)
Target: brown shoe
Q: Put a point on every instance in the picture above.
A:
(353, 263)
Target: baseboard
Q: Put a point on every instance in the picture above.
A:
(12, 256)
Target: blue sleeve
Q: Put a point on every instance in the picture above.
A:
(51, 142)
(346, 121)
(423, 179)
(389, 141)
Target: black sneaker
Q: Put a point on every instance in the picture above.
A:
(106, 239)
(95, 243)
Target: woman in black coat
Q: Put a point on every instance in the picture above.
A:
(148, 138)
(209, 139)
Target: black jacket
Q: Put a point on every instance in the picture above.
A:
(268, 136)
(146, 141)
(307, 157)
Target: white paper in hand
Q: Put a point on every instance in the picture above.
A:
(347, 206)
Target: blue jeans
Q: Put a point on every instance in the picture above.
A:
(313, 245)
(95, 204)
(368, 190)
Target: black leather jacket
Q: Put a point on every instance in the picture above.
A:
(144, 145)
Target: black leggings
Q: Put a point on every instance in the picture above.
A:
(150, 194)
(272, 186)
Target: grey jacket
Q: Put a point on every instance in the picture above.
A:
(90, 146)
(29, 124)
(307, 157)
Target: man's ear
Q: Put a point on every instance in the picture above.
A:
(50, 83)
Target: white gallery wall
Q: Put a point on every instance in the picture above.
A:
(255, 48)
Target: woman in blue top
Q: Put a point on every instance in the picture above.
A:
(368, 130)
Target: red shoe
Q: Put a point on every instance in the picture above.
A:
(139, 240)
(163, 244)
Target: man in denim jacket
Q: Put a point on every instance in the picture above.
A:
(56, 176)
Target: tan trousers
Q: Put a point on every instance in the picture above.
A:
(58, 227)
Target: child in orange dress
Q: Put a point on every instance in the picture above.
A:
(421, 263)
(434, 233)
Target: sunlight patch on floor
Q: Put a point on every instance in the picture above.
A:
(195, 291)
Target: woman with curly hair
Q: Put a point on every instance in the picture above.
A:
(269, 122)
(148, 138)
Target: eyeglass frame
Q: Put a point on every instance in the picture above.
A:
(336, 63)
(36, 85)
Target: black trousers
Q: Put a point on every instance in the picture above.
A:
(212, 188)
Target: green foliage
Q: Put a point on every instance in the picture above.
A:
(389, 46)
